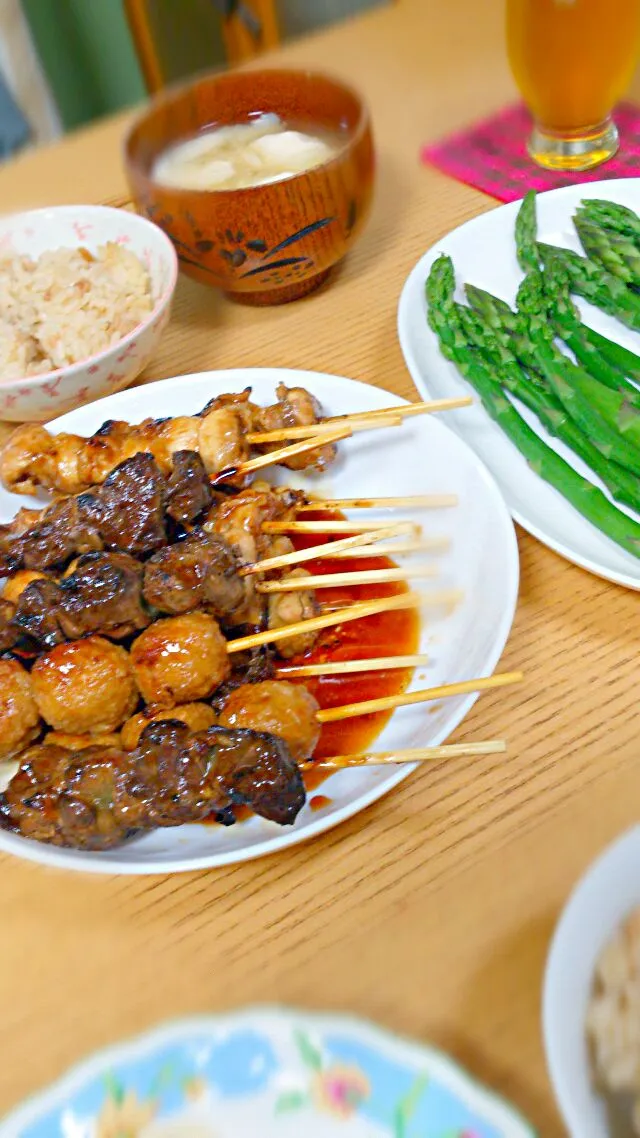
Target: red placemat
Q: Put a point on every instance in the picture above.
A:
(492, 155)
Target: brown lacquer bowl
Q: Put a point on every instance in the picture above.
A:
(263, 244)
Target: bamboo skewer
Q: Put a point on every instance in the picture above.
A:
(326, 426)
(330, 549)
(330, 526)
(410, 755)
(341, 616)
(346, 667)
(273, 457)
(351, 577)
(388, 703)
(409, 502)
(425, 545)
(407, 409)
(362, 420)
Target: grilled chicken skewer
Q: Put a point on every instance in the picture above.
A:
(33, 459)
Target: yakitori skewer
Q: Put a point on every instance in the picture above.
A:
(340, 616)
(402, 502)
(347, 667)
(409, 755)
(445, 691)
(326, 427)
(344, 762)
(352, 577)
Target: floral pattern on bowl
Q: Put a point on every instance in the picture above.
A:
(269, 1073)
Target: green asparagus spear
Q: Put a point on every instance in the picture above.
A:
(497, 310)
(613, 251)
(526, 231)
(586, 498)
(596, 285)
(566, 379)
(611, 215)
(623, 486)
(567, 323)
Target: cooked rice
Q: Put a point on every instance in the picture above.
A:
(613, 1015)
(68, 305)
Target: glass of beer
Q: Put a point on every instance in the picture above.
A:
(572, 60)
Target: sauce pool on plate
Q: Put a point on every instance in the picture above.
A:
(385, 634)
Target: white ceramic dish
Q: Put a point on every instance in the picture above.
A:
(31, 233)
(483, 253)
(421, 457)
(268, 1072)
(607, 892)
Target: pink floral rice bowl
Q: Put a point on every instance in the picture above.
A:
(43, 396)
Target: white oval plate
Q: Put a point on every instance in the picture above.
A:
(483, 253)
(420, 457)
(268, 1072)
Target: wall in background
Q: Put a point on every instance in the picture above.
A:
(90, 62)
(87, 54)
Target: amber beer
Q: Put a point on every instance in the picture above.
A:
(572, 60)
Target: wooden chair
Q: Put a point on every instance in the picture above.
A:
(248, 27)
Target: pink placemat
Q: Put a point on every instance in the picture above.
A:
(492, 156)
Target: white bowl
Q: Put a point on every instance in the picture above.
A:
(53, 393)
(609, 890)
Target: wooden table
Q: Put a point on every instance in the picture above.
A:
(430, 913)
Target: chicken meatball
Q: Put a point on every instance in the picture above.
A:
(280, 708)
(19, 718)
(85, 686)
(197, 716)
(180, 659)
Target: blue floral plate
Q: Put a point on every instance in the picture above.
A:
(267, 1073)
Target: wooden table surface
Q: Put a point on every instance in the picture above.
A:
(431, 912)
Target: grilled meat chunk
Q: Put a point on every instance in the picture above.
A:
(128, 509)
(37, 612)
(126, 512)
(103, 594)
(199, 572)
(189, 493)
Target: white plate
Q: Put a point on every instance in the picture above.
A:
(421, 457)
(483, 253)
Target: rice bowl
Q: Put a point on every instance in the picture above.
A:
(85, 292)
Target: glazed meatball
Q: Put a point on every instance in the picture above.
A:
(85, 686)
(19, 719)
(180, 659)
(197, 716)
(16, 585)
(280, 708)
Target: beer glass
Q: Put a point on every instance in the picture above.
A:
(572, 60)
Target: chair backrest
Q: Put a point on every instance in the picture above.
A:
(236, 29)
